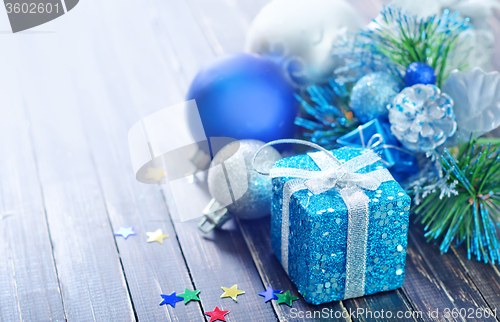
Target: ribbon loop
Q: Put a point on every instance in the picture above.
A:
(341, 179)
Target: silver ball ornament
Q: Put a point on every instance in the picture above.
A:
(256, 188)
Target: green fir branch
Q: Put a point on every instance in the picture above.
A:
(433, 41)
(471, 213)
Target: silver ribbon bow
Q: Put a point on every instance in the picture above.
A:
(351, 186)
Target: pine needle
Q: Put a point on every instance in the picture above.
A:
(473, 213)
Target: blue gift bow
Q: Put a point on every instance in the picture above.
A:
(334, 175)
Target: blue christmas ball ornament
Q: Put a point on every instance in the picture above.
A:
(372, 93)
(419, 73)
(243, 96)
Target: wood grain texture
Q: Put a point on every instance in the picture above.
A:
(182, 41)
(395, 302)
(29, 288)
(214, 17)
(435, 282)
(90, 274)
(486, 277)
(151, 269)
(220, 258)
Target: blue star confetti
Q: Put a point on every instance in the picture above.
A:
(170, 299)
(125, 232)
(269, 294)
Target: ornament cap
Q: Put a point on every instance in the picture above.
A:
(215, 216)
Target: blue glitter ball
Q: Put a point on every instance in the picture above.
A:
(419, 73)
(372, 93)
(422, 117)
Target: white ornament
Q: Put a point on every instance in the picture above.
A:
(477, 101)
(300, 36)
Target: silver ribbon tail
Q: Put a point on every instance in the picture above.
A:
(357, 236)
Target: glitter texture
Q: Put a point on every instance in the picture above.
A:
(372, 93)
(422, 117)
(318, 234)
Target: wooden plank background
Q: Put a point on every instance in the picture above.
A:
(69, 92)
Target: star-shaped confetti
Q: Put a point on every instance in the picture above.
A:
(231, 292)
(155, 173)
(269, 294)
(217, 314)
(189, 295)
(170, 299)
(286, 298)
(125, 232)
(156, 236)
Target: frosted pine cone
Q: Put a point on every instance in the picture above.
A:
(422, 117)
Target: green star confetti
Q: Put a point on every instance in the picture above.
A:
(285, 298)
(189, 295)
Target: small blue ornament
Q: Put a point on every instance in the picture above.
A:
(422, 117)
(419, 73)
(377, 136)
(243, 96)
(372, 93)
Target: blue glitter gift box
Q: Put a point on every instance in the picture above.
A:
(339, 224)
